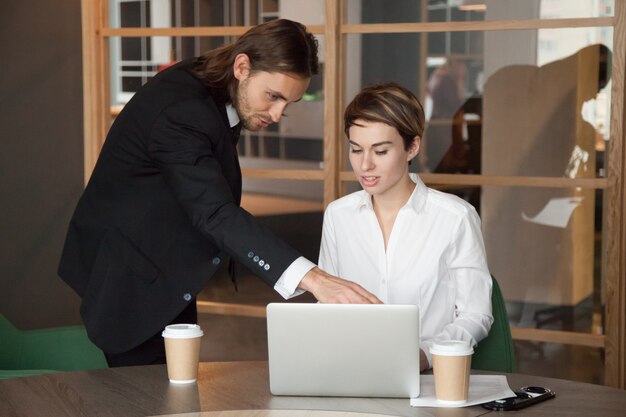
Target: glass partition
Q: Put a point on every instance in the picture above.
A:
(513, 103)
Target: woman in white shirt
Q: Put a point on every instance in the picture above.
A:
(402, 241)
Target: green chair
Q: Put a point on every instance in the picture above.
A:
(496, 352)
(33, 352)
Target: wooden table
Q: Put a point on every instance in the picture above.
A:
(240, 386)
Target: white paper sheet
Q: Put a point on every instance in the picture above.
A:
(556, 213)
(482, 389)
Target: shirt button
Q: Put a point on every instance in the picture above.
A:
(256, 259)
(187, 297)
(250, 254)
(261, 262)
(267, 267)
(216, 261)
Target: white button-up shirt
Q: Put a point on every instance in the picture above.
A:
(435, 259)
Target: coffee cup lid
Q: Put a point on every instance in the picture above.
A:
(451, 348)
(182, 331)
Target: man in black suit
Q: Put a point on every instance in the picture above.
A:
(161, 209)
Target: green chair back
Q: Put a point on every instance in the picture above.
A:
(32, 352)
(496, 352)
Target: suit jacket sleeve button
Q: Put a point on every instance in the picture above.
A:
(256, 259)
(250, 254)
(267, 267)
(216, 261)
(187, 297)
(261, 262)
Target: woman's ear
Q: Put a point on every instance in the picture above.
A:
(241, 67)
(414, 148)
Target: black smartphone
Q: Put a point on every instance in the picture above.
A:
(524, 397)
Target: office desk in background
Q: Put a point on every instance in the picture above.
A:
(145, 391)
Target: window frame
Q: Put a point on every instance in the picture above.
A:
(97, 119)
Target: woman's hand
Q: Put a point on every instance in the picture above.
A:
(423, 361)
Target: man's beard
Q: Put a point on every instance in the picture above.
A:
(240, 103)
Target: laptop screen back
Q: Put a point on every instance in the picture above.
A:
(353, 350)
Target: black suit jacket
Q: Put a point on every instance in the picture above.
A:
(160, 212)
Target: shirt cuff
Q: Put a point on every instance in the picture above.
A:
(287, 284)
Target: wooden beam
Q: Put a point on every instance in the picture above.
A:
(477, 25)
(207, 31)
(230, 309)
(442, 179)
(332, 96)
(518, 333)
(95, 82)
(614, 228)
(504, 181)
(558, 336)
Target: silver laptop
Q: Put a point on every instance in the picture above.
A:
(343, 350)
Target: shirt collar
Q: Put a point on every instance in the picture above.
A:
(416, 201)
(233, 117)
(365, 200)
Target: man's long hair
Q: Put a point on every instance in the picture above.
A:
(281, 45)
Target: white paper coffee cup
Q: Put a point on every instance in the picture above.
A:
(451, 366)
(182, 352)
